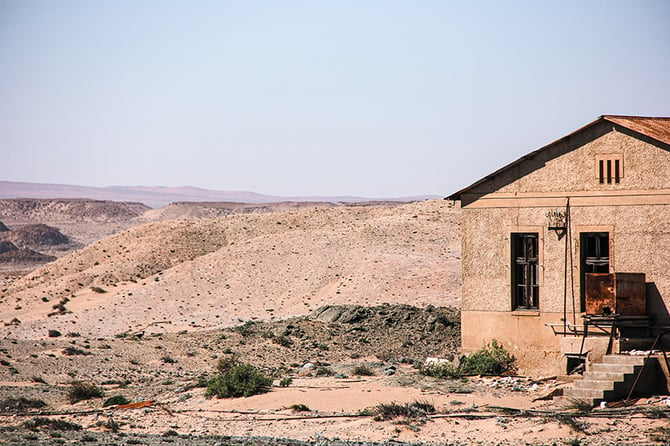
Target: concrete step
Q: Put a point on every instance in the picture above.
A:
(624, 359)
(613, 378)
(604, 376)
(594, 396)
(613, 368)
(593, 384)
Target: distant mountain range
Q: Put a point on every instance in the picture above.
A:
(158, 196)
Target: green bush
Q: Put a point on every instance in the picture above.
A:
(285, 382)
(239, 380)
(492, 359)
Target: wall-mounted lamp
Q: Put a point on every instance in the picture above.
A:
(558, 221)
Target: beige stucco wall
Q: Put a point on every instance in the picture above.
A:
(635, 212)
(561, 168)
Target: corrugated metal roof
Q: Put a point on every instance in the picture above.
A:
(657, 128)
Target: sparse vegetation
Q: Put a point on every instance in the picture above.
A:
(115, 401)
(441, 371)
(80, 391)
(246, 329)
(110, 424)
(73, 351)
(97, 289)
(362, 370)
(285, 382)
(20, 404)
(239, 380)
(299, 408)
(60, 307)
(574, 423)
(660, 434)
(227, 363)
(38, 379)
(282, 340)
(49, 423)
(579, 405)
(324, 371)
(492, 359)
(416, 411)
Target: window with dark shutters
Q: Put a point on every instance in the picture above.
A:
(609, 169)
(525, 286)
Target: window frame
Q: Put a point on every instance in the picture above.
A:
(525, 271)
(597, 263)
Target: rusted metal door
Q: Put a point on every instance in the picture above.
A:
(600, 296)
(616, 293)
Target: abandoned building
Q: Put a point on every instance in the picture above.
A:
(566, 251)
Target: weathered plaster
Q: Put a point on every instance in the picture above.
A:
(638, 223)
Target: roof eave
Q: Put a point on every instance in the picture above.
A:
(456, 196)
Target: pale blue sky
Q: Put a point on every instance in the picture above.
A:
(295, 98)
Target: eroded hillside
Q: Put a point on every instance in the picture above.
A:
(83, 221)
(211, 273)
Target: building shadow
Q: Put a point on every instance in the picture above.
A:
(656, 307)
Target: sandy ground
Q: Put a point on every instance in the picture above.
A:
(335, 406)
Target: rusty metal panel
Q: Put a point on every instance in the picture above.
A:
(631, 294)
(657, 128)
(616, 293)
(600, 298)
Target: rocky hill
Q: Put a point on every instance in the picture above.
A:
(35, 236)
(20, 248)
(12, 254)
(210, 273)
(31, 210)
(81, 220)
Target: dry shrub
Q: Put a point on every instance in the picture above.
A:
(80, 391)
(415, 411)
